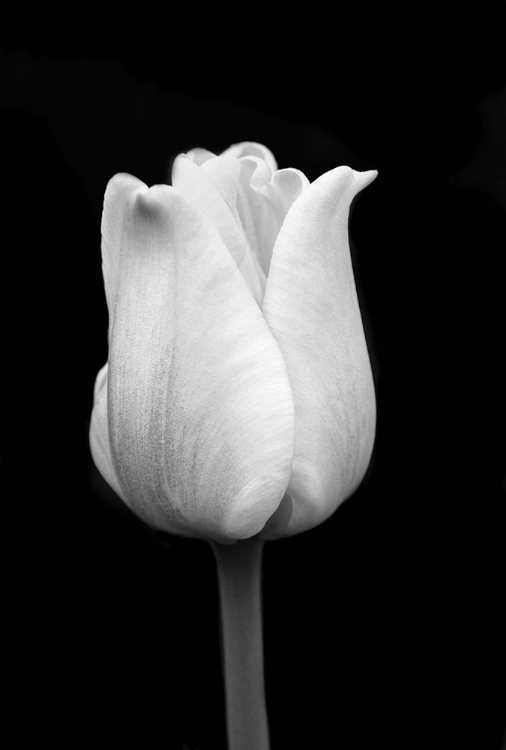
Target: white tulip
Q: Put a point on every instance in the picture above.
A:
(238, 398)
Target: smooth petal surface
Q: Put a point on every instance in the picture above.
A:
(200, 409)
(312, 309)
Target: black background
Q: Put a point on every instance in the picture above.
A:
(384, 626)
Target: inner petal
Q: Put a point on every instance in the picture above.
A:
(252, 148)
(199, 155)
(213, 187)
(263, 201)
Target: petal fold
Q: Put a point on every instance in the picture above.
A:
(311, 307)
(200, 409)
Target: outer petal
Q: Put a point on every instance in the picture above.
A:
(101, 452)
(311, 307)
(116, 196)
(201, 418)
(99, 434)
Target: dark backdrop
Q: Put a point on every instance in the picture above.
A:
(384, 626)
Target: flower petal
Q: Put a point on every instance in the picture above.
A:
(312, 309)
(263, 202)
(199, 155)
(101, 453)
(290, 183)
(224, 172)
(116, 197)
(99, 434)
(212, 188)
(252, 148)
(201, 418)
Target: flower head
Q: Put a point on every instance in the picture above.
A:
(238, 397)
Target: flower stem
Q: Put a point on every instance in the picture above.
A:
(239, 576)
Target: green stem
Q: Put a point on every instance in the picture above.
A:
(239, 576)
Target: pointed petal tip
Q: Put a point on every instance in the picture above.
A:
(363, 179)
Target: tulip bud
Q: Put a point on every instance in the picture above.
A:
(238, 397)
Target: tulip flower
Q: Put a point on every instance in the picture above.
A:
(237, 404)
